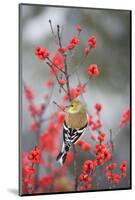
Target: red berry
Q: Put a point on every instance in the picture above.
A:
(92, 41)
(78, 28)
(42, 53)
(86, 50)
(62, 82)
(93, 70)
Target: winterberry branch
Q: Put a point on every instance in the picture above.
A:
(56, 76)
(67, 77)
(55, 38)
(111, 140)
(53, 64)
(58, 106)
(58, 33)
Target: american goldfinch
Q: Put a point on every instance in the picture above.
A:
(74, 126)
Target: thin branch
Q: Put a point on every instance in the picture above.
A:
(79, 33)
(111, 140)
(56, 76)
(87, 81)
(67, 77)
(55, 38)
(55, 65)
(58, 33)
(58, 106)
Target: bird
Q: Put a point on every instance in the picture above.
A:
(75, 123)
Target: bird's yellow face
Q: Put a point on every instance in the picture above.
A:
(74, 106)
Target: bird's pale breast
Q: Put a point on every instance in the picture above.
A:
(76, 120)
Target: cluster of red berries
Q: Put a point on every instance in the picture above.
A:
(92, 42)
(123, 168)
(114, 177)
(93, 70)
(35, 110)
(95, 125)
(102, 153)
(86, 182)
(75, 92)
(34, 155)
(62, 50)
(98, 108)
(42, 53)
(57, 61)
(28, 170)
(80, 89)
(85, 177)
(73, 43)
(88, 166)
(125, 119)
(29, 94)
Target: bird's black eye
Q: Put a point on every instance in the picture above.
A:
(72, 106)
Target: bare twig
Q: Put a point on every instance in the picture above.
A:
(55, 38)
(111, 140)
(55, 65)
(67, 77)
(87, 81)
(58, 106)
(58, 33)
(56, 76)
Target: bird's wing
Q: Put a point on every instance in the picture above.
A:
(70, 135)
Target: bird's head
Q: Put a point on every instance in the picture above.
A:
(74, 106)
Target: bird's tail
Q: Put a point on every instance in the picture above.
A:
(62, 157)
